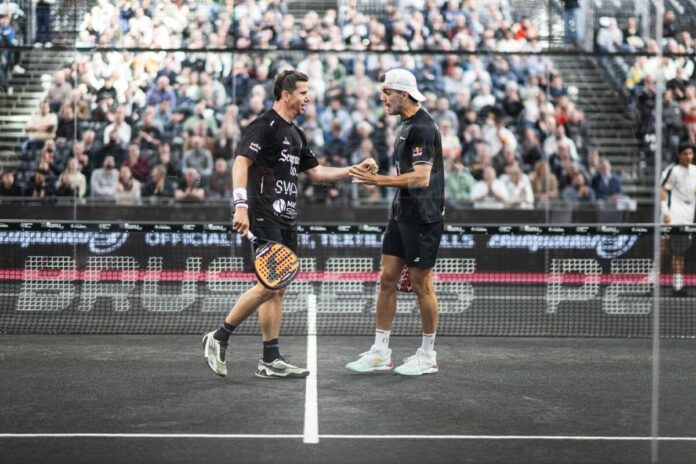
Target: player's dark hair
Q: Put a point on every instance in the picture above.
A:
(287, 80)
(683, 147)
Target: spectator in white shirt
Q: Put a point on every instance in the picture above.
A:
(483, 98)
(609, 37)
(519, 188)
(559, 137)
(489, 192)
(120, 126)
(103, 181)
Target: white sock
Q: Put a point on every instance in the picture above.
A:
(382, 339)
(428, 343)
(678, 281)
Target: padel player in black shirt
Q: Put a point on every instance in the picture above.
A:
(415, 226)
(272, 154)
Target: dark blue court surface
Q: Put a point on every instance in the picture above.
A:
(151, 399)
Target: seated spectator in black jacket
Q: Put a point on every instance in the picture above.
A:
(68, 130)
(65, 187)
(148, 135)
(189, 188)
(159, 185)
(112, 148)
(108, 92)
(220, 184)
(8, 185)
(169, 160)
(41, 186)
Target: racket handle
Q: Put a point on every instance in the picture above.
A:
(250, 236)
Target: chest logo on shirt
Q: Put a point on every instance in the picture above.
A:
(286, 141)
(286, 188)
(292, 160)
(279, 205)
(417, 151)
(286, 157)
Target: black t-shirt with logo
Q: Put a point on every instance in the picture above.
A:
(280, 152)
(419, 142)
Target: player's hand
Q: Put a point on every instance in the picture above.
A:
(666, 218)
(362, 175)
(240, 220)
(370, 165)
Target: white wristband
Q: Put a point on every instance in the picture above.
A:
(664, 207)
(239, 195)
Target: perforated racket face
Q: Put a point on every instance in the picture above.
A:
(275, 265)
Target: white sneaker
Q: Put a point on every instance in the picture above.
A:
(418, 364)
(17, 69)
(48, 44)
(373, 360)
(214, 354)
(280, 369)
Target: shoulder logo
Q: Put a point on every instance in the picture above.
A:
(402, 138)
(255, 147)
(417, 151)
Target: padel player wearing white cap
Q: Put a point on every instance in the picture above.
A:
(415, 226)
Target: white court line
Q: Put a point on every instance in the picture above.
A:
(311, 417)
(148, 435)
(346, 437)
(504, 437)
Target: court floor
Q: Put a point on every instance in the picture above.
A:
(151, 399)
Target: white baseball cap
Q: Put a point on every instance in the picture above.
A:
(403, 81)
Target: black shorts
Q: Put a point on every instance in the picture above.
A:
(417, 244)
(680, 244)
(284, 236)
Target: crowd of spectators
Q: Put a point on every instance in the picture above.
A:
(679, 100)
(158, 124)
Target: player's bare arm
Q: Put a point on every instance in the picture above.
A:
(327, 175)
(418, 178)
(240, 173)
(666, 218)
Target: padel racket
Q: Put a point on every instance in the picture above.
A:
(275, 264)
